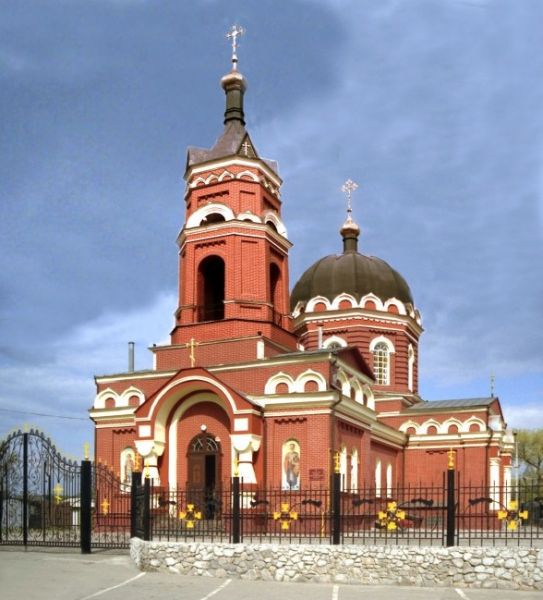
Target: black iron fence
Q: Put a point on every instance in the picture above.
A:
(441, 515)
(48, 500)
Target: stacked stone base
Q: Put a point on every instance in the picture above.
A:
(503, 568)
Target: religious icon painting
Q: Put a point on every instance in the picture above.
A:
(290, 479)
(128, 459)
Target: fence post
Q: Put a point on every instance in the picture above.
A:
(85, 522)
(25, 488)
(135, 483)
(336, 502)
(451, 505)
(236, 513)
(147, 509)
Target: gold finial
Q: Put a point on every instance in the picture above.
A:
(192, 345)
(236, 465)
(146, 472)
(450, 463)
(57, 490)
(86, 448)
(26, 428)
(137, 462)
(336, 463)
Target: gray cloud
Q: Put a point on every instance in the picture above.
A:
(434, 107)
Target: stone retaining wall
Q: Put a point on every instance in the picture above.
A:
(504, 568)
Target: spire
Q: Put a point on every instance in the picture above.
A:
(350, 230)
(234, 83)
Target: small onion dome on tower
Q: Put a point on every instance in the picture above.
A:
(350, 273)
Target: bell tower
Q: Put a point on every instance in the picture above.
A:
(233, 247)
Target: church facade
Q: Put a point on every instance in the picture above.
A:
(276, 385)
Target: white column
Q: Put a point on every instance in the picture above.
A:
(150, 450)
(507, 485)
(243, 446)
(495, 483)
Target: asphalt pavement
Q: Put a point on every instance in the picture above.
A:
(53, 575)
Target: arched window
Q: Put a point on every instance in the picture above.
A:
(381, 363)
(275, 285)
(213, 218)
(354, 470)
(389, 480)
(343, 468)
(211, 289)
(378, 479)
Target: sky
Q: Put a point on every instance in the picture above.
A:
(434, 107)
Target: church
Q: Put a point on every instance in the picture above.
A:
(278, 385)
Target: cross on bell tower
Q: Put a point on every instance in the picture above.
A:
(235, 32)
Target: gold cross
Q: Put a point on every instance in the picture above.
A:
(192, 345)
(105, 506)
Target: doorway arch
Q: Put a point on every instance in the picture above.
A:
(204, 473)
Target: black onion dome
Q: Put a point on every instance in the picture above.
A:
(351, 273)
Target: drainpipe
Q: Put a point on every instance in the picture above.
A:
(319, 337)
(333, 417)
(130, 357)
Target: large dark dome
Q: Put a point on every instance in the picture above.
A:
(351, 273)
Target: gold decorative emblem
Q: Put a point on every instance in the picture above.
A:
(391, 518)
(285, 516)
(512, 516)
(190, 516)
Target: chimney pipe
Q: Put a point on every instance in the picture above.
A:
(130, 357)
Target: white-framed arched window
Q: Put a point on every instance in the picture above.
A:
(343, 468)
(378, 478)
(334, 341)
(381, 349)
(381, 363)
(389, 480)
(354, 470)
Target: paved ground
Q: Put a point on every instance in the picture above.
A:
(62, 576)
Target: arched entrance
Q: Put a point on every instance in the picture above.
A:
(204, 473)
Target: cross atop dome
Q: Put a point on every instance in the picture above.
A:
(235, 32)
(348, 188)
(350, 230)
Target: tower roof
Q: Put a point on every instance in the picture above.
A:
(234, 140)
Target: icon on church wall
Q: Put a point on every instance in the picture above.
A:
(291, 466)
(127, 466)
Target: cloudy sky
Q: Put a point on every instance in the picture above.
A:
(433, 106)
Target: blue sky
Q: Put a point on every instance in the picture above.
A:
(433, 106)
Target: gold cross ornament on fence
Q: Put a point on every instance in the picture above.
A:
(392, 517)
(285, 516)
(512, 516)
(190, 516)
(105, 506)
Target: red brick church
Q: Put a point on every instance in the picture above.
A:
(276, 384)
